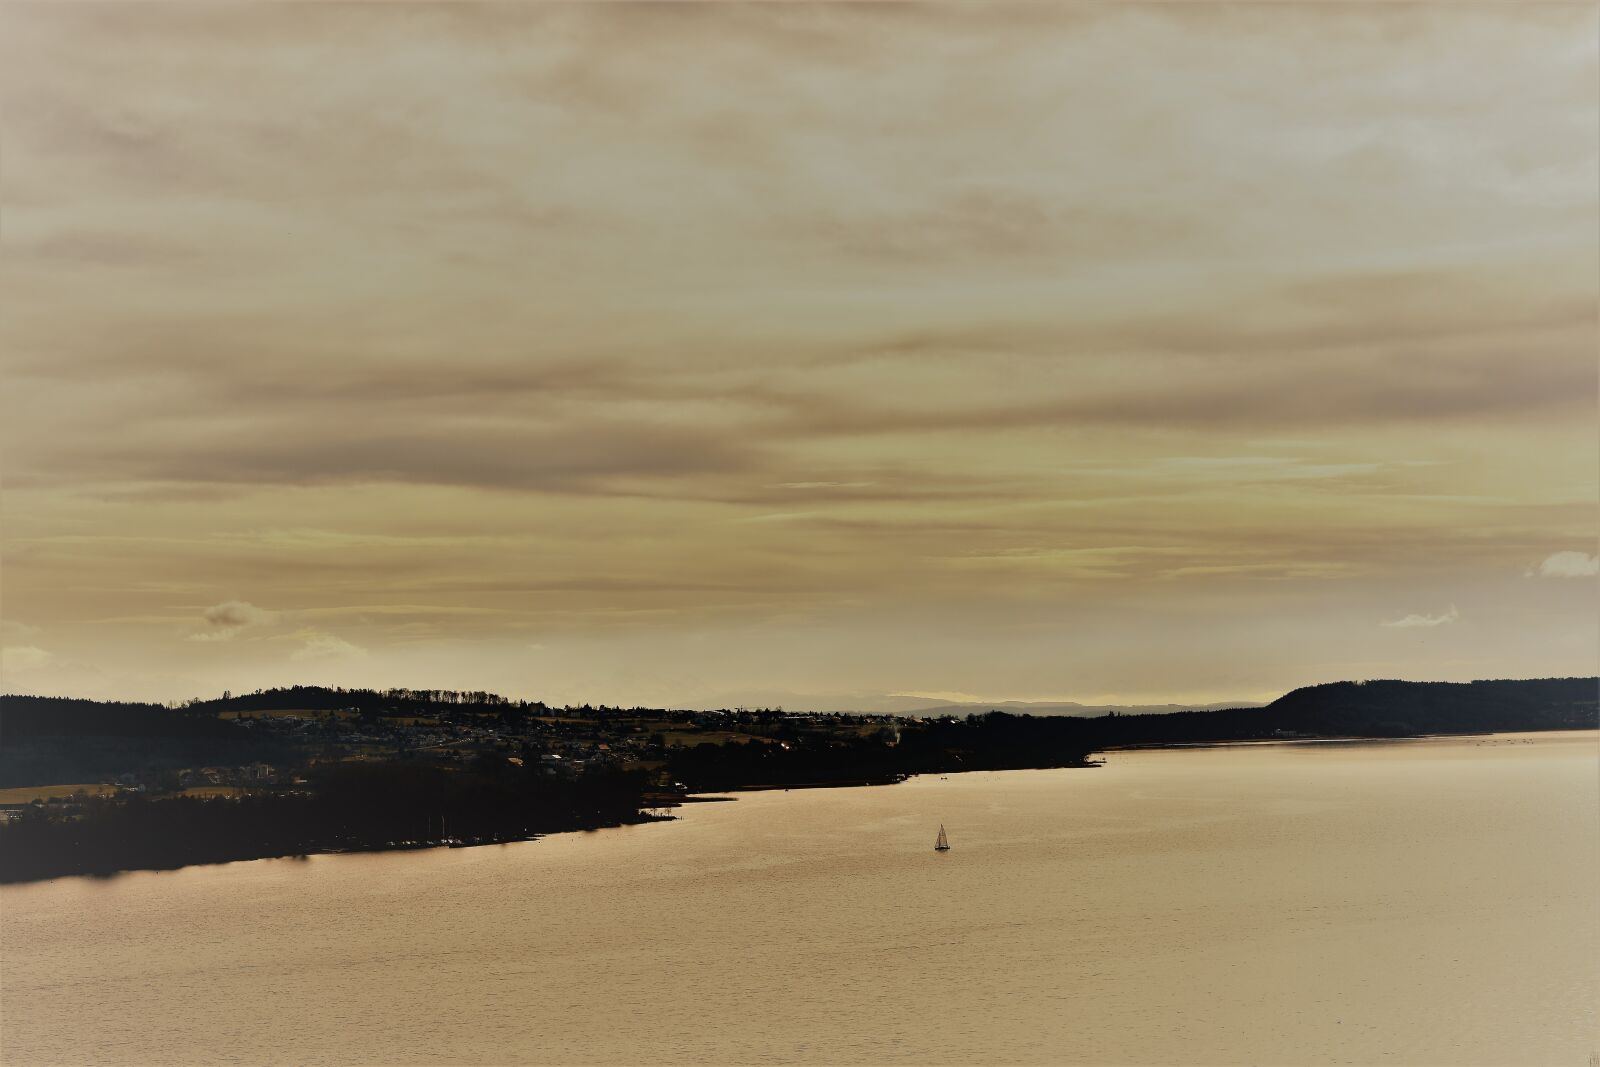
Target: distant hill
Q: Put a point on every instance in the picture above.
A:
(1424, 707)
(1371, 709)
(24, 718)
(1067, 707)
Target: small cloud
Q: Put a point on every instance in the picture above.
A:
(16, 631)
(1412, 622)
(22, 658)
(327, 647)
(228, 618)
(1570, 565)
(238, 613)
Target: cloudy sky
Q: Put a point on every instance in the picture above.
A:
(797, 354)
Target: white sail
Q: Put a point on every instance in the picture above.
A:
(942, 843)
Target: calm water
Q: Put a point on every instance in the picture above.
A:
(1409, 902)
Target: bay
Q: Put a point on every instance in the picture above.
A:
(1428, 901)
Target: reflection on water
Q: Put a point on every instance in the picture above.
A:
(1414, 902)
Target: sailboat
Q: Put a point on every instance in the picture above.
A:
(941, 843)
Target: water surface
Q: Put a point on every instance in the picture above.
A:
(1415, 902)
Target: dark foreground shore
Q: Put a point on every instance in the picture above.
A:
(53, 851)
(343, 807)
(113, 836)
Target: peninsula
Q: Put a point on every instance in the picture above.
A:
(91, 787)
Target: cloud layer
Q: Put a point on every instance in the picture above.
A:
(621, 329)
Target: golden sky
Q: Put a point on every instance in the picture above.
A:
(705, 354)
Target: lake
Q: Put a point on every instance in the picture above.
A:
(1411, 902)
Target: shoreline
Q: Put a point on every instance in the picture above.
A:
(1338, 739)
(644, 817)
(649, 813)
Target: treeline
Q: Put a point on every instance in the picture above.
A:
(377, 701)
(352, 806)
(24, 718)
(44, 740)
(996, 741)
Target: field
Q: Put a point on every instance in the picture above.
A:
(25, 793)
(675, 738)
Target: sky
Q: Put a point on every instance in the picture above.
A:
(823, 356)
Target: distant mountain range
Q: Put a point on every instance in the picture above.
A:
(1068, 707)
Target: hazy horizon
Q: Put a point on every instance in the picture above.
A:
(701, 355)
